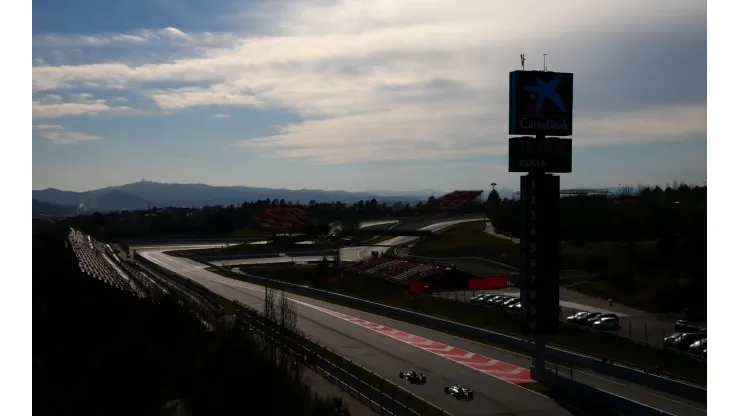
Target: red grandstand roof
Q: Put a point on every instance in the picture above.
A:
(455, 200)
(282, 217)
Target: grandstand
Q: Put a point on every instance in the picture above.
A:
(100, 261)
(282, 217)
(456, 200)
(94, 260)
(395, 270)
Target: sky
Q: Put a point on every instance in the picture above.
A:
(358, 94)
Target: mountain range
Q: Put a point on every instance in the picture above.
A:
(139, 195)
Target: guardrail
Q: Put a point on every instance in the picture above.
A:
(452, 259)
(607, 399)
(307, 253)
(698, 394)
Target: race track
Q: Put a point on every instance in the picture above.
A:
(387, 346)
(383, 354)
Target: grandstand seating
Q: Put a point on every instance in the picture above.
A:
(395, 270)
(455, 200)
(100, 261)
(94, 261)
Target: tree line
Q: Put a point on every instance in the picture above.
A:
(648, 214)
(648, 245)
(217, 221)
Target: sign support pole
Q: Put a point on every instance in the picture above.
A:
(540, 105)
(540, 342)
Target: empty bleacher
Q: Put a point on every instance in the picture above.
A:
(94, 260)
(394, 269)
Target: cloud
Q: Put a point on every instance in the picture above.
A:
(220, 116)
(59, 135)
(138, 38)
(389, 80)
(664, 123)
(428, 133)
(48, 127)
(53, 106)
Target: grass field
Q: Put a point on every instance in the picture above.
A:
(469, 240)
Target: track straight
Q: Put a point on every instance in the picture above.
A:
(499, 369)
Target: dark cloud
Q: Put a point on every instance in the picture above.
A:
(664, 64)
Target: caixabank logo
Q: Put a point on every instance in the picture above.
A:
(540, 103)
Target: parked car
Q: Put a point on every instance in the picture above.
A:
(483, 299)
(684, 341)
(499, 300)
(600, 316)
(508, 302)
(606, 323)
(477, 298)
(492, 299)
(575, 318)
(685, 326)
(582, 318)
(698, 347)
(670, 340)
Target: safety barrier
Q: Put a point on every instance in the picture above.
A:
(206, 258)
(452, 260)
(679, 388)
(604, 398)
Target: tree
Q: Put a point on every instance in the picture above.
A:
(493, 206)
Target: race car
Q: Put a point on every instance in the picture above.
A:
(459, 392)
(413, 377)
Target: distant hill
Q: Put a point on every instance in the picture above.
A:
(424, 193)
(44, 209)
(138, 195)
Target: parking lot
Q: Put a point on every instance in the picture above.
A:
(640, 326)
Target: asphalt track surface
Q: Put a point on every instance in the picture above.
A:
(382, 354)
(387, 356)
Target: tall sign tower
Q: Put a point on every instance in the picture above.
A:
(540, 115)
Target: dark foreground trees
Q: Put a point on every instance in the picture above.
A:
(99, 351)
